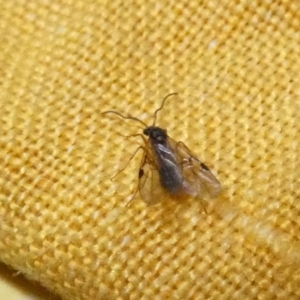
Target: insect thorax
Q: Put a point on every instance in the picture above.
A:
(156, 134)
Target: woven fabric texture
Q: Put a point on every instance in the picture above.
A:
(236, 68)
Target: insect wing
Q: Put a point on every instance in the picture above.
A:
(198, 179)
(150, 187)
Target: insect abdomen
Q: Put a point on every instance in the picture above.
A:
(170, 178)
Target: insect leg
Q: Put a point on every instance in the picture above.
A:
(132, 156)
(137, 188)
(141, 173)
(131, 135)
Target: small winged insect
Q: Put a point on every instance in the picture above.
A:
(169, 168)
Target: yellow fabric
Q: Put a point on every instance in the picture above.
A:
(13, 286)
(235, 66)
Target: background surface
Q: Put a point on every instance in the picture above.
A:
(235, 66)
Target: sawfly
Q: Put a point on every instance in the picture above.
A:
(169, 168)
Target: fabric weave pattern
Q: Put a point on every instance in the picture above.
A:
(235, 66)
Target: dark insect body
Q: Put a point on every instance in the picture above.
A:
(170, 168)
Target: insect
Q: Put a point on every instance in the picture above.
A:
(169, 168)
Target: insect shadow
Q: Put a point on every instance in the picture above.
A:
(168, 168)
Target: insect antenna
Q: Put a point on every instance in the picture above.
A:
(124, 117)
(162, 105)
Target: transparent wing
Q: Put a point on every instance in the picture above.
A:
(198, 179)
(150, 187)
